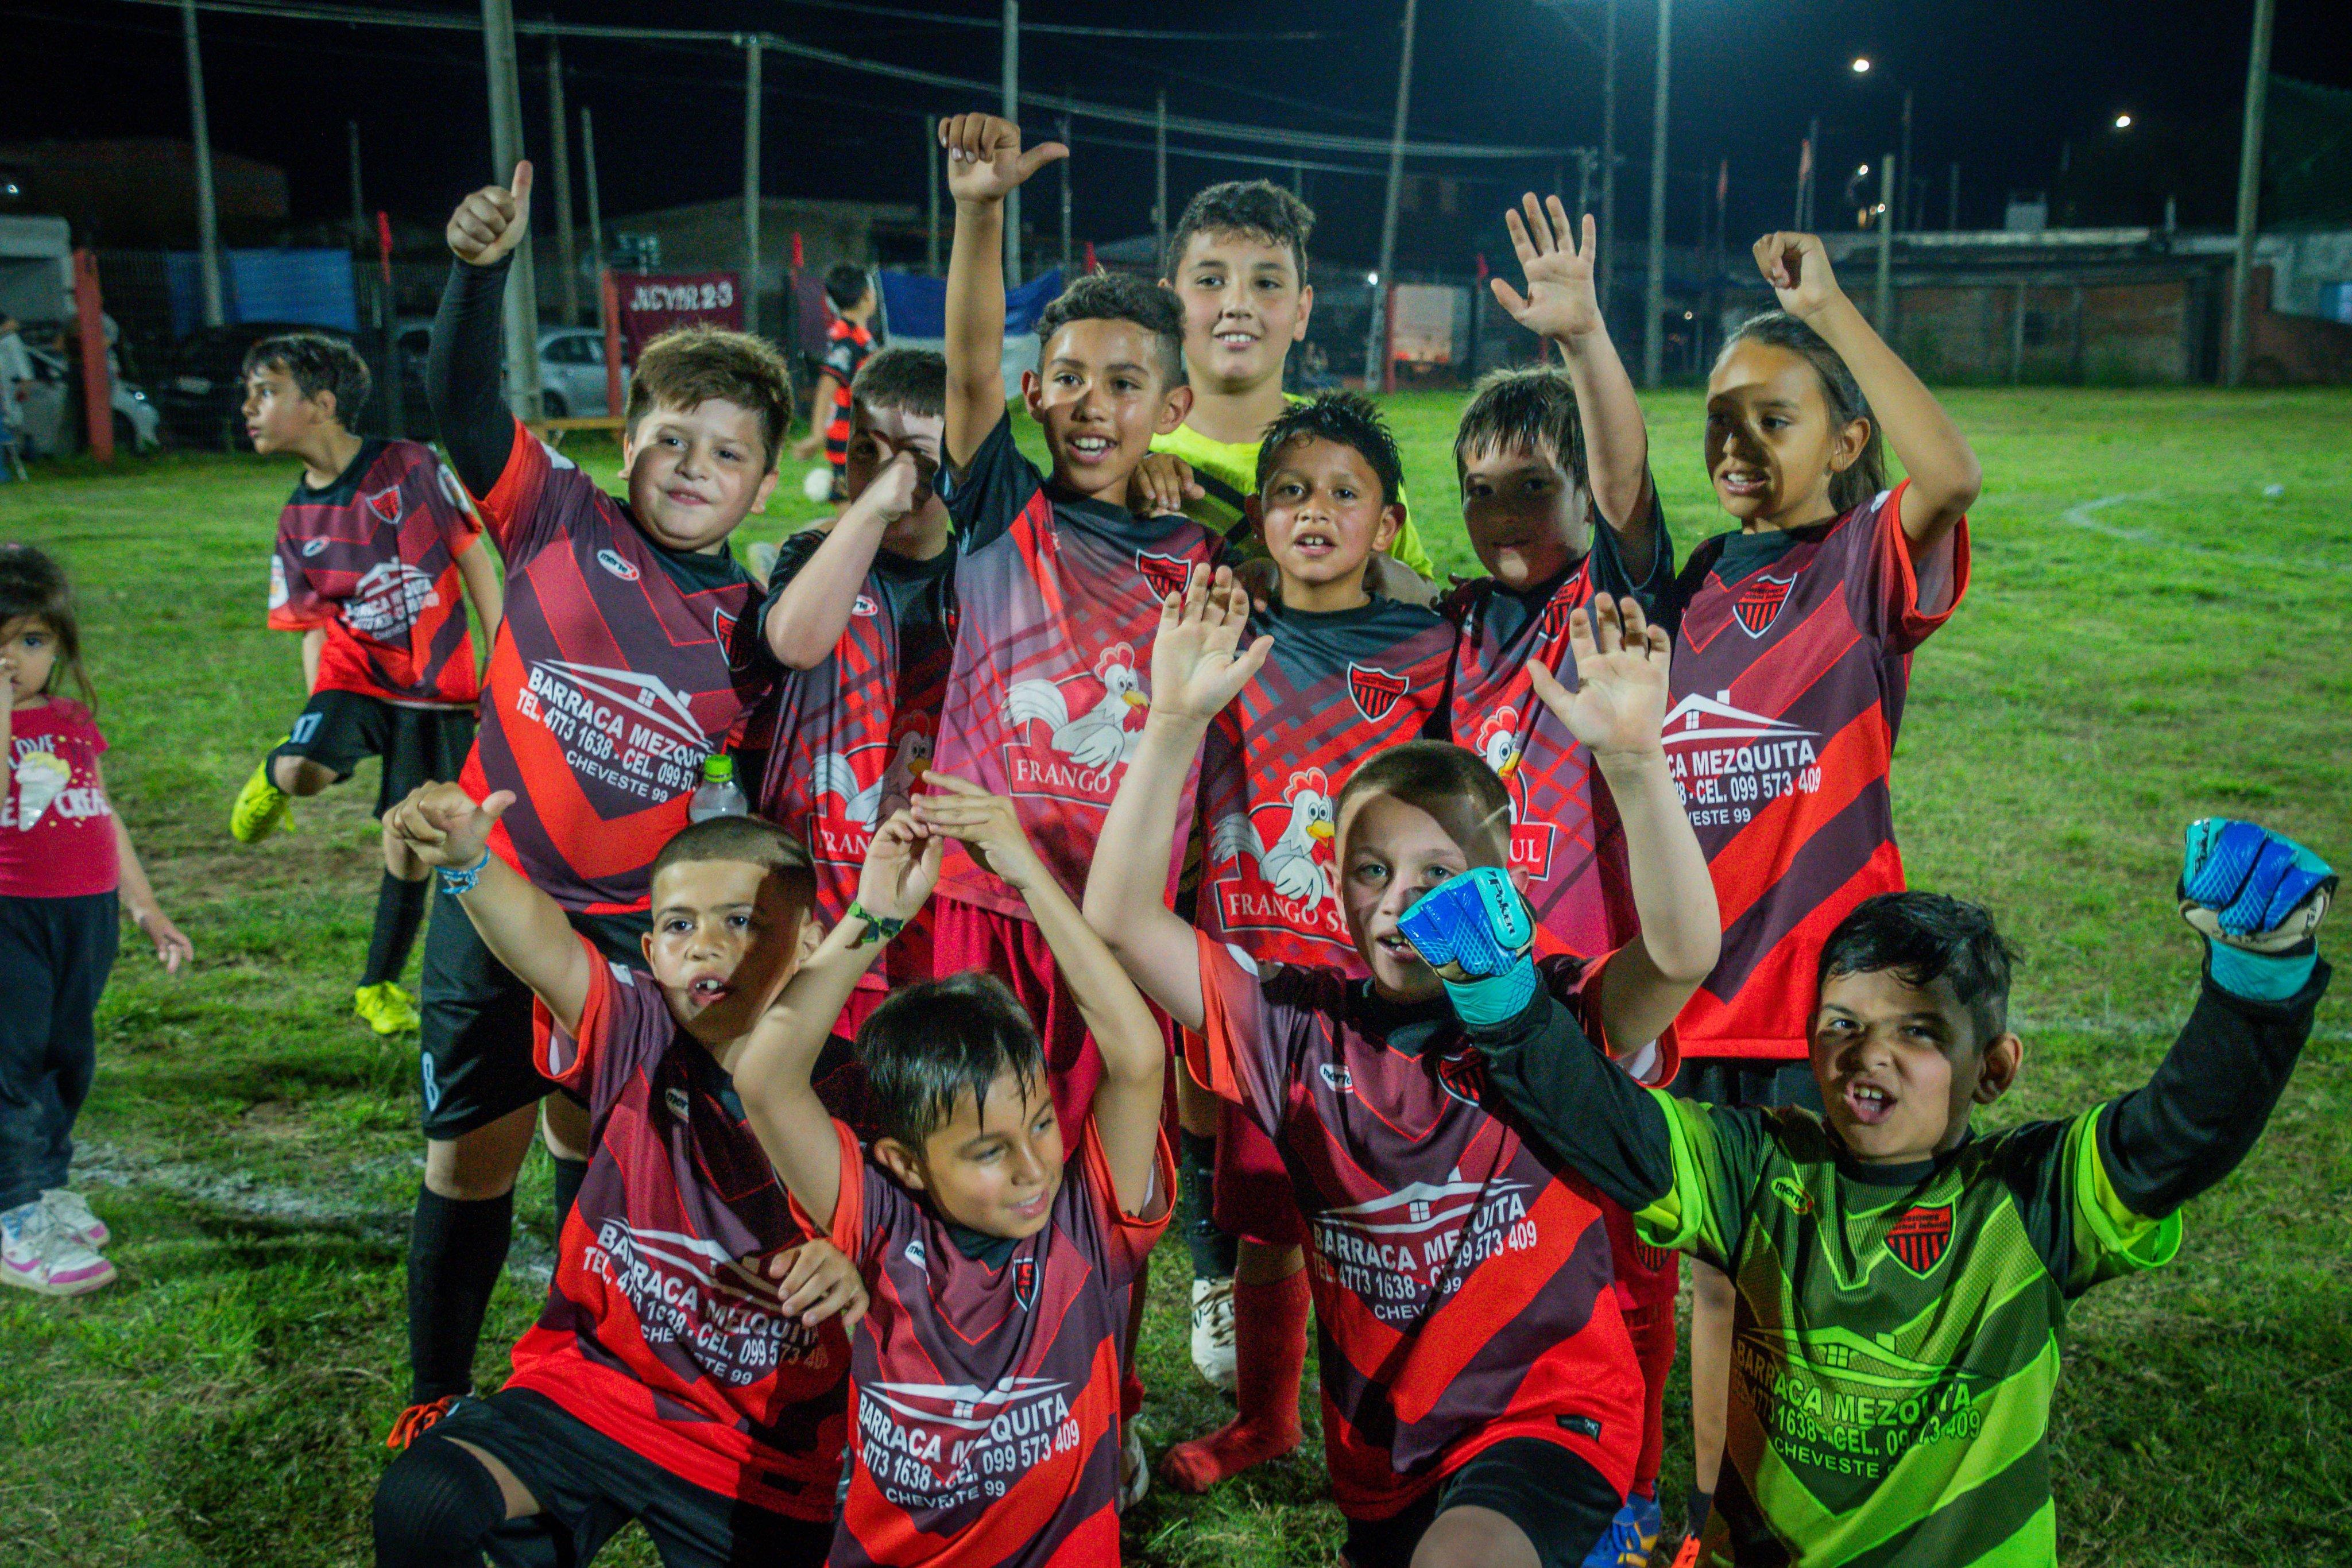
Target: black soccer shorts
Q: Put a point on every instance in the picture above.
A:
(1562, 1504)
(417, 744)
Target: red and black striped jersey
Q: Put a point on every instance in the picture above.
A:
(984, 1379)
(1339, 687)
(658, 1330)
(1790, 673)
(1566, 842)
(847, 346)
(849, 739)
(1058, 601)
(1462, 1277)
(372, 559)
(619, 666)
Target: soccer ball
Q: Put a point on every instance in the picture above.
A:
(817, 485)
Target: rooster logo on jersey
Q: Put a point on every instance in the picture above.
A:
(1296, 865)
(1499, 743)
(867, 804)
(1095, 737)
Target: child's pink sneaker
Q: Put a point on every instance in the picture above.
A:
(73, 1215)
(38, 1254)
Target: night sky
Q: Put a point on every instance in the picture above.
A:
(2008, 88)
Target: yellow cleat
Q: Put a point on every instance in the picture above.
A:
(261, 808)
(386, 1008)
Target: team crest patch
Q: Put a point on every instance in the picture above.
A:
(1920, 1238)
(620, 566)
(1463, 1076)
(1375, 691)
(1024, 1281)
(1165, 573)
(1758, 605)
(1556, 614)
(384, 504)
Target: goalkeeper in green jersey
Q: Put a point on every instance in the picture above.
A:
(1904, 1283)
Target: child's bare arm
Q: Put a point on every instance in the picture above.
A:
(1560, 303)
(1134, 1052)
(771, 1065)
(480, 577)
(807, 619)
(1617, 710)
(984, 164)
(314, 648)
(1196, 670)
(171, 948)
(526, 930)
(1946, 477)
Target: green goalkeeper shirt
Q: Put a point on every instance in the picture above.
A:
(1896, 1336)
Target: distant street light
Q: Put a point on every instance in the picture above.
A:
(2123, 123)
(1862, 64)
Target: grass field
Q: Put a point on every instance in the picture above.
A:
(2148, 638)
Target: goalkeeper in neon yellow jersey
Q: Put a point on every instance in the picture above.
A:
(1902, 1282)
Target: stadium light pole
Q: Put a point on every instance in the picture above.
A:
(209, 268)
(751, 52)
(1889, 192)
(1376, 334)
(932, 193)
(1012, 111)
(359, 204)
(2249, 188)
(596, 204)
(1160, 178)
(1654, 299)
(505, 152)
(1063, 135)
(567, 248)
(1604, 272)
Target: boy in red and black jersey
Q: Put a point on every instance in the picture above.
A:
(1058, 582)
(1351, 675)
(684, 1371)
(1478, 1384)
(619, 667)
(373, 549)
(861, 613)
(849, 341)
(1791, 664)
(985, 1425)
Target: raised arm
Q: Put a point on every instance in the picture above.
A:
(984, 163)
(1196, 670)
(1561, 305)
(1617, 710)
(1134, 1051)
(1946, 477)
(807, 618)
(479, 575)
(523, 929)
(463, 379)
(771, 1065)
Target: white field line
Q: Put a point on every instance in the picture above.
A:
(2087, 518)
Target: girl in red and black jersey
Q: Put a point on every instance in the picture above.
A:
(67, 868)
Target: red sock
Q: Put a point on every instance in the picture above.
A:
(1270, 1350)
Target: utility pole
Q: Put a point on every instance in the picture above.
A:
(1655, 300)
(1903, 186)
(1952, 206)
(1012, 111)
(1883, 316)
(1376, 335)
(1160, 176)
(2250, 185)
(931, 189)
(505, 152)
(208, 265)
(359, 204)
(1063, 130)
(560, 151)
(750, 285)
(596, 204)
(1602, 271)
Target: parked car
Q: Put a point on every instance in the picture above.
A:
(52, 429)
(571, 368)
(204, 399)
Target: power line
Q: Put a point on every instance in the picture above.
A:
(1060, 29)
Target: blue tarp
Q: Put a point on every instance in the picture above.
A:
(916, 306)
(313, 288)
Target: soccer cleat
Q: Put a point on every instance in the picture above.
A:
(1475, 930)
(73, 1215)
(1632, 1536)
(1213, 1332)
(1689, 1556)
(1134, 1468)
(261, 808)
(37, 1254)
(2247, 887)
(414, 1422)
(387, 1009)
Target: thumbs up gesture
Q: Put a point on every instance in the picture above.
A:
(493, 220)
(985, 162)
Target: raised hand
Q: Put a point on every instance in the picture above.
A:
(1619, 707)
(814, 1281)
(1798, 268)
(984, 157)
(1195, 669)
(493, 220)
(902, 866)
(1161, 483)
(1560, 303)
(898, 486)
(983, 823)
(441, 825)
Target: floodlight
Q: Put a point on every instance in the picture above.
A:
(1862, 64)
(1372, 280)
(2123, 123)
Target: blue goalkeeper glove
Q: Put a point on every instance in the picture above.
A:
(2257, 898)
(1475, 930)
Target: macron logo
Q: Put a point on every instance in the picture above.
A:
(1698, 720)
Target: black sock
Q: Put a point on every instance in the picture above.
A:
(1697, 1506)
(435, 1507)
(399, 912)
(569, 1175)
(455, 1249)
(1214, 1251)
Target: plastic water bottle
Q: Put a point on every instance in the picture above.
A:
(716, 796)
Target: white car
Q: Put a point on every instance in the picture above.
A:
(51, 430)
(571, 367)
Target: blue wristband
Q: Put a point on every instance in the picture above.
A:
(462, 881)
